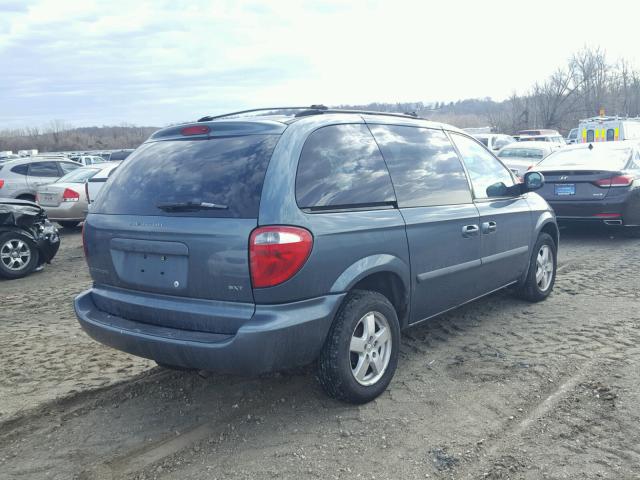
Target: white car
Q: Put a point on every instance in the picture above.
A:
(518, 157)
(93, 185)
(494, 141)
(90, 160)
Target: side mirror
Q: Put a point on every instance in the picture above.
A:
(497, 190)
(533, 181)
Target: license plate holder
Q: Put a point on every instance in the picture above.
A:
(565, 189)
(47, 199)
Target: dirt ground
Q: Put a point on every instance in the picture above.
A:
(498, 389)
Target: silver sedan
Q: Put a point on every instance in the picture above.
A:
(65, 200)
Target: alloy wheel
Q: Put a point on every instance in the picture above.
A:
(370, 348)
(15, 254)
(544, 267)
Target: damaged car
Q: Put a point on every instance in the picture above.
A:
(28, 239)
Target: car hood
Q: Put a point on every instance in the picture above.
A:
(21, 213)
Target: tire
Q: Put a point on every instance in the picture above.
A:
(535, 289)
(68, 224)
(338, 364)
(12, 266)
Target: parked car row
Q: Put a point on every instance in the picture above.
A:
(56, 182)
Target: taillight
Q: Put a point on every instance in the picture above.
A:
(1, 183)
(195, 130)
(70, 195)
(277, 253)
(617, 181)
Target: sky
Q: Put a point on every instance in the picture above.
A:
(158, 62)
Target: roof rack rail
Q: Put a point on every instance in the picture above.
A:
(363, 112)
(208, 118)
(311, 110)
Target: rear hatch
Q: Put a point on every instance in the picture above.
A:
(175, 218)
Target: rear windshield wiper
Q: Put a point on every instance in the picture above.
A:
(187, 206)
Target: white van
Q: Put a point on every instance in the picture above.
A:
(608, 129)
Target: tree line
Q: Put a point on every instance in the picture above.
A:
(57, 136)
(589, 82)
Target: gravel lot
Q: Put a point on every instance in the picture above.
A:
(496, 389)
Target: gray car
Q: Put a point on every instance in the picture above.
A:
(21, 178)
(251, 244)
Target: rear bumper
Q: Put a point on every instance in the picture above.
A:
(615, 210)
(276, 337)
(67, 211)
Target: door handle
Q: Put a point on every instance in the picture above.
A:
(489, 227)
(469, 230)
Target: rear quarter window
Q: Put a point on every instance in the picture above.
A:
(341, 167)
(222, 170)
(21, 169)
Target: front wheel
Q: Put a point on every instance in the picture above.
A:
(18, 255)
(360, 354)
(542, 270)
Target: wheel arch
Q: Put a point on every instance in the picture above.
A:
(385, 274)
(546, 224)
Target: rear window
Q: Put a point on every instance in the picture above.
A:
(119, 155)
(225, 171)
(21, 169)
(484, 140)
(341, 167)
(521, 153)
(596, 158)
(79, 175)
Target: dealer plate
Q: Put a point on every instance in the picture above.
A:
(565, 189)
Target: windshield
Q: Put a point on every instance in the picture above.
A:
(600, 158)
(217, 177)
(522, 153)
(79, 175)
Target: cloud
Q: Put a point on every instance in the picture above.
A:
(158, 62)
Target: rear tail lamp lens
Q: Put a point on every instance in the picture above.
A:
(277, 253)
(1, 183)
(617, 181)
(70, 195)
(195, 130)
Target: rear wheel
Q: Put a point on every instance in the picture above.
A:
(68, 224)
(18, 255)
(360, 354)
(542, 270)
